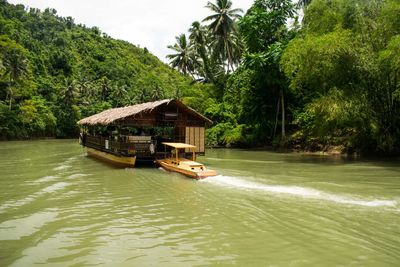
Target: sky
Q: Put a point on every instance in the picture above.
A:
(147, 23)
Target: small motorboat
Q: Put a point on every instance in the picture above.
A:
(184, 166)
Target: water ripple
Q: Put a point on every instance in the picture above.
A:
(31, 198)
(17, 228)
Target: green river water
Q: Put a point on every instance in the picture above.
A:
(61, 208)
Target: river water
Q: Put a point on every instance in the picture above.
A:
(61, 208)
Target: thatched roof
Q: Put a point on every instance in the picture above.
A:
(112, 115)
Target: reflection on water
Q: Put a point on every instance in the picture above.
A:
(58, 207)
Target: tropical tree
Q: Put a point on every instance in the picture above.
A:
(119, 94)
(105, 87)
(223, 27)
(184, 59)
(228, 48)
(199, 37)
(345, 66)
(223, 19)
(265, 34)
(69, 93)
(199, 41)
(14, 63)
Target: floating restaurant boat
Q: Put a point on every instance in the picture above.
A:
(183, 165)
(134, 134)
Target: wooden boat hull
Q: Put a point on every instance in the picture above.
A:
(193, 174)
(116, 160)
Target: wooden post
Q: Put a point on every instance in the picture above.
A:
(194, 155)
(176, 151)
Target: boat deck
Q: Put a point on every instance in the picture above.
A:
(187, 167)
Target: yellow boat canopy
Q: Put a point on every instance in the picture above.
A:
(179, 145)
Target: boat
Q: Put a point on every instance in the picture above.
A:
(119, 160)
(131, 135)
(182, 165)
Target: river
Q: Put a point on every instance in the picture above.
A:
(61, 208)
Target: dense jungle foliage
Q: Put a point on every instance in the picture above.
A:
(331, 80)
(311, 75)
(54, 72)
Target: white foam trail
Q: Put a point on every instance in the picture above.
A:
(55, 187)
(297, 191)
(246, 160)
(62, 167)
(77, 175)
(46, 179)
(71, 159)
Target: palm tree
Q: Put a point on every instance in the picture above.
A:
(198, 34)
(105, 87)
(157, 93)
(70, 92)
(184, 58)
(84, 90)
(119, 94)
(223, 26)
(229, 48)
(15, 64)
(223, 21)
(199, 41)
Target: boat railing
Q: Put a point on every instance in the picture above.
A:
(140, 146)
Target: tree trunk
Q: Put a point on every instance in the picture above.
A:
(276, 117)
(283, 115)
(11, 92)
(11, 97)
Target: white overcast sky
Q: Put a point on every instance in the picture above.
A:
(148, 23)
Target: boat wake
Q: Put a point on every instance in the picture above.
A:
(77, 175)
(44, 179)
(62, 167)
(247, 160)
(240, 183)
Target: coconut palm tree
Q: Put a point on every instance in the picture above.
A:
(223, 19)
(105, 87)
(119, 94)
(184, 58)
(226, 42)
(69, 93)
(229, 49)
(198, 34)
(84, 90)
(15, 64)
(199, 41)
